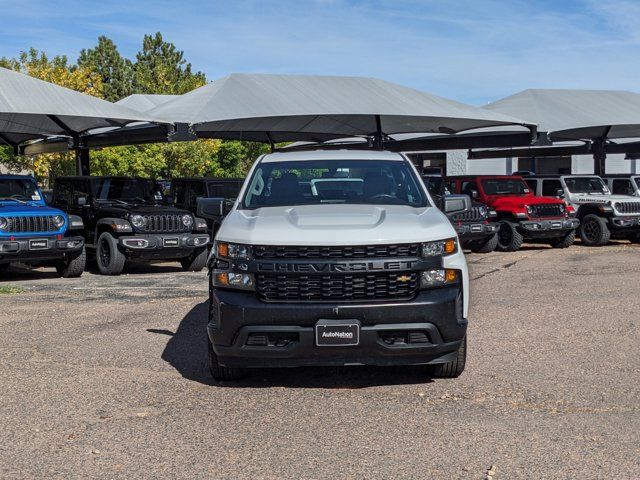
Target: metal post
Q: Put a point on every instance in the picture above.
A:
(599, 157)
(83, 161)
(378, 139)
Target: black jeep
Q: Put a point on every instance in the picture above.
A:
(476, 227)
(130, 219)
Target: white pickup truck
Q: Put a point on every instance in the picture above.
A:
(357, 269)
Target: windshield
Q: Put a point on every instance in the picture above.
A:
(636, 180)
(314, 182)
(586, 185)
(18, 190)
(130, 190)
(505, 186)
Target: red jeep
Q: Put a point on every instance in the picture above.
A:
(522, 215)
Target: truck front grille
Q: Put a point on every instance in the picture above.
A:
(331, 287)
(551, 210)
(164, 223)
(627, 208)
(37, 224)
(368, 251)
(476, 214)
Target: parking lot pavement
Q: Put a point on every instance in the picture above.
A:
(106, 377)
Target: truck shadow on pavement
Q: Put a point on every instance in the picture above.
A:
(186, 351)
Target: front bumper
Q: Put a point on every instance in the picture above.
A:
(162, 245)
(19, 249)
(475, 230)
(547, 228)
(625, 223)
(236, 316)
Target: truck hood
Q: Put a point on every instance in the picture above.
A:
(335, 225)
(26, 209)
(123, 211)
(519, 202)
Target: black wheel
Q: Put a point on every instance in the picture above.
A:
(4, 267)
(635, 238)
(565, 241)
(454, 368)
(484, 246)
(73, 265)
(509, 239)
(196, 261)
(110, 260)
(594, 231)
(221, 373)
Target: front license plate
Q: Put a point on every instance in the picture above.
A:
(38, 244)
(337, 333)
(171, 242)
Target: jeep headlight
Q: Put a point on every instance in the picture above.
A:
(58, 221)
(201, 225)
(529, 209)
(438, 278)
(138, 221)
(440, 248)
(232, 251)
(4, 224)
(187, 220)
(562, 208)
(244, 281)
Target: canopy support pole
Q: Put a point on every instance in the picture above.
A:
(378, 139)
(598, 147)
(83, 161)
(271, 142)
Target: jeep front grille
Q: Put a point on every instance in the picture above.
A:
(369, 251)
(332, 287)
(37, 224)
(627, 208)
(550, 210)
(164, 223)
(476, 214)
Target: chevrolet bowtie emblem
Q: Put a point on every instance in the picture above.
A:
(404, 278)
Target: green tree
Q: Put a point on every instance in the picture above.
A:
(115, 70)
(161, 68)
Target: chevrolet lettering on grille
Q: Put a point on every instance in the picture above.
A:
(335, 267)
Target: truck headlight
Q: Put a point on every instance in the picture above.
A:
(4, 224)
(58, 221)
(233, 251)
(438, 278)
(440, 248)
(244, 281)
(138, 221)
(187, 220)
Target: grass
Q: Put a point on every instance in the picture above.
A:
(10, 290)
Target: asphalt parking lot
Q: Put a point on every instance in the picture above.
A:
(106, 377)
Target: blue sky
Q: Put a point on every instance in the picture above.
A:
(470, 50)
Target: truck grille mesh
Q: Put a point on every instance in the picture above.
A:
(164, 223)
(628, 207)
(369, 251)
(476, 214)
(551, 210)
(37, 224)
(344, 287)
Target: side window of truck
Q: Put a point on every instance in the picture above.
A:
(622, 186)
(178, 192)
(550, 188)
(63, 194)
(80, 189)
(469, 187)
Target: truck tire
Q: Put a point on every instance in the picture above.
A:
(110, 260)
(484, 246)
(563, 242)
(3, 267)
(73, 265)
(594, 231)
(454, 368)
(220, 373)
(196, 261)
(509, 239)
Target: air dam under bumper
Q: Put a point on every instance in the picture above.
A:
(428, 329)
(475, 231)
(41, 248)
(548, 228)
(162, 245)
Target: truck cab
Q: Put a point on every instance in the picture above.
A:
(33, 233)
(521, 213)
(129, 218)
(603, 214)
(362, 269)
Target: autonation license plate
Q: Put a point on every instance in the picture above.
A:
(38, 244)
(331, 333)
(171, 242)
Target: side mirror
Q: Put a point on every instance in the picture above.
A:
(457, 203)
(560, 193)
(213, 207)
(81, 201)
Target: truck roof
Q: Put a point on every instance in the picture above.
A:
(333, 155)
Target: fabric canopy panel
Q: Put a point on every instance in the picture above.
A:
(278, 108)
(143, 103)
(31, 108)
(576, 114)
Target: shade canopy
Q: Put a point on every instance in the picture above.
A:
(145, 102)
(576, 114)
(279, 108)
(31, 108)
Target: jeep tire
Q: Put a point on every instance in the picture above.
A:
(196, 261)
(594, 231)
(451, 369)
(109, 258)
(3, 267)
(73, 265)
(565, 241)
(221, 373)
(484, 246)
(509, 238)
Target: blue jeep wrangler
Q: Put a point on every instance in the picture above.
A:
(35, 234)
